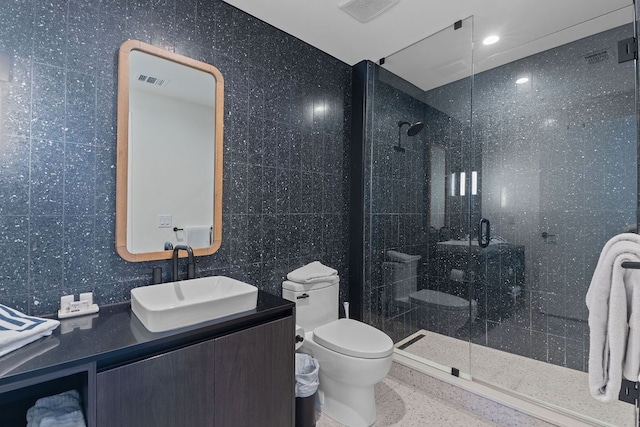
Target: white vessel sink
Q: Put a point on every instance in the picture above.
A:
(177, 304)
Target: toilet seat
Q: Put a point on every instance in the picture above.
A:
(353, 338)
(437, 299)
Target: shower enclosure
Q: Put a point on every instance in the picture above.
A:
(491, 181)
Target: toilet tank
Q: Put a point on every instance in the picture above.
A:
(316, 303)
(401, 273)
(402, 276)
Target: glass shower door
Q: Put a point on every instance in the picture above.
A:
(418, 248)
(554, 166)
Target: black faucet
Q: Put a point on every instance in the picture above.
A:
(191, 267)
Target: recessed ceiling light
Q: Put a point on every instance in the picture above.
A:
(490, 40)
(522, 80)
(320, 109)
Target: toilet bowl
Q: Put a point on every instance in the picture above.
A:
(439, 311)
(448, 313)
(352, 355)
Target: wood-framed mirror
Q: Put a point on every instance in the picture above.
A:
(169, 159)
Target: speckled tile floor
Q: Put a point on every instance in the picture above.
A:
(398, 404)
(563, 387)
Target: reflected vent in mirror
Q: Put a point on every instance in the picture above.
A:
(157, 81)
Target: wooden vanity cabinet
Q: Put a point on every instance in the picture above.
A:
(171, 389)
(254, 376)
(245, 378)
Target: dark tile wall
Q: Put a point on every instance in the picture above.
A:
(397, 212)
(396, 207)
(285, 158)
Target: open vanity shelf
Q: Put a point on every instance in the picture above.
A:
(17, 397)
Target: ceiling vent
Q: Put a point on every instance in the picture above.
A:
(366, 10)
(595, 57)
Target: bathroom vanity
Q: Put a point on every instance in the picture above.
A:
(236, 370)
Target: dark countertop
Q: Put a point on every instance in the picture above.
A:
(115, 335)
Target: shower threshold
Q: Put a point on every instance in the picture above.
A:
(524, 384)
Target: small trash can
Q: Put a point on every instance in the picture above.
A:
(307, 382)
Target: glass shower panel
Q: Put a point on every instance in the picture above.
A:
(416, 152)
(555, 154)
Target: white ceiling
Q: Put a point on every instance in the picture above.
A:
(524, 26)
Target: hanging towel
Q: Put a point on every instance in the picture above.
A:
(314, 272)
(613, 300)
(62, 409)
(17, 329)
(198, 236)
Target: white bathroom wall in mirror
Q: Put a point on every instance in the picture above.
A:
(169, 153)
(167, 122)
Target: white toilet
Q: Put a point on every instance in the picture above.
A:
(353, 356)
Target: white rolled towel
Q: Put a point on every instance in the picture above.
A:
(70, 419)
(313, 272)
(62, 409)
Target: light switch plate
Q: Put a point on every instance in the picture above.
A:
(165, 220)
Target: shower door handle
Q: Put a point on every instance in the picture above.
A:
(484, 233)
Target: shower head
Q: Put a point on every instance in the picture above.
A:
(414, 129)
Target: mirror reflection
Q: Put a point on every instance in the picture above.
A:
(169, 154)
(438, 173)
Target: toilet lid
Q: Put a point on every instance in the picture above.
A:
(439, 299)
(353, 338)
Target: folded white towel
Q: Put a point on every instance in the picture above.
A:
(613, 300)
(17, 329)
(198, 236)
(313, 272)
(62, 409)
